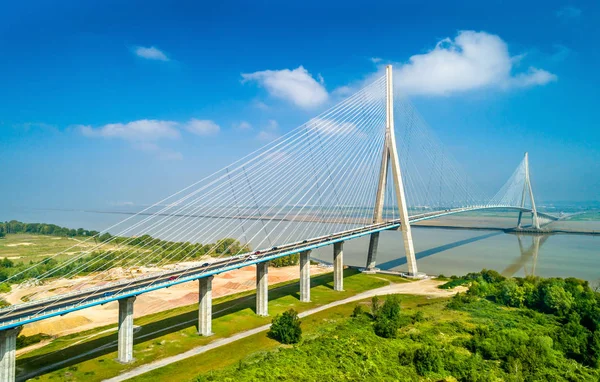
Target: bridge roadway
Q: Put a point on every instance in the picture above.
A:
(20, 314)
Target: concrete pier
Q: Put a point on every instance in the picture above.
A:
(338, 266)
(305, 276)
(205, 306)
(262, 289)
(126, 330)
(372, 254)
(8, 347)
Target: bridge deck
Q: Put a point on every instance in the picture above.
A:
(37, 310)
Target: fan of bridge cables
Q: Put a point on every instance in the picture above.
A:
(514, 193)
(320, 178)
(433, 179)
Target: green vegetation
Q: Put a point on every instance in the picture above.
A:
(38, 243)
(286, 328)
(24, 341)
(173, 332)
(285, 261)
(387, 318)
(14, 226)
(529, 329)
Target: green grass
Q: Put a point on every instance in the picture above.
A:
(24, 247)
(336, 347)
(248, 350)
(172, 332)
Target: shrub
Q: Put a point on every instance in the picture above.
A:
(406, 356)
(358, 311)
(419, 317)
(286, 328)
(387, 319)
(427, 359)
(374, 305)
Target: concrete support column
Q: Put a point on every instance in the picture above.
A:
(372, 255)
(126, 329)
(205, 306)
(305, 276)
(338, 266)
(8, 347)
(262, 289)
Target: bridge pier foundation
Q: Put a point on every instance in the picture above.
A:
(205, 306)
(305, 276)
(372, 254)
(125, 343)
(338, 266)
(8, 347)
(262, 289)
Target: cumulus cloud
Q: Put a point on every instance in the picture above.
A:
(269, 132)
(145, 134)
(202, 127)
(472, 60)
(143, 130)
(243, 125)
(151, 53)
(297, 86)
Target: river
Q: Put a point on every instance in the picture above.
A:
(447, 251)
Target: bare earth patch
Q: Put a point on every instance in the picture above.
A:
(157, 301)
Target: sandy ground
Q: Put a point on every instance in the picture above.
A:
(427, 287)
(157, 301)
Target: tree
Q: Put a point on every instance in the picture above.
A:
(387, 318)
(285, 328)
(511, 294)
(374, 306)
(105, 237)
(558, 300)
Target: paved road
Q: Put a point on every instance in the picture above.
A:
(422, 287)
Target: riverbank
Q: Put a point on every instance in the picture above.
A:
(91, 355)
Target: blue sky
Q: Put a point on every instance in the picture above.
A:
(107, 102)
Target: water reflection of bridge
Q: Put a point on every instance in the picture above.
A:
(529, 255)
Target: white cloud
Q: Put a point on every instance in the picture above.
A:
(568, 13)
(333, 127)
(151, 53)
(473, 60)
(143, 130)
(242, 125)
(376, 60)
(297, 86)
(145, 134)
(269, 132)
(533, 77)
(202, 127)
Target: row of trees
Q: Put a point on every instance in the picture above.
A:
(15, 226)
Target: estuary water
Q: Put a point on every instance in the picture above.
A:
(447, 251)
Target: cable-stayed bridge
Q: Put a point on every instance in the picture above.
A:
(368, 164)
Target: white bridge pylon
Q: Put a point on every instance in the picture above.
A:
(390, 157)
(527, 190)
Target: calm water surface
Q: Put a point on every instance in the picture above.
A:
(438, 250)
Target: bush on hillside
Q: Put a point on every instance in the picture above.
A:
(286, 328)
